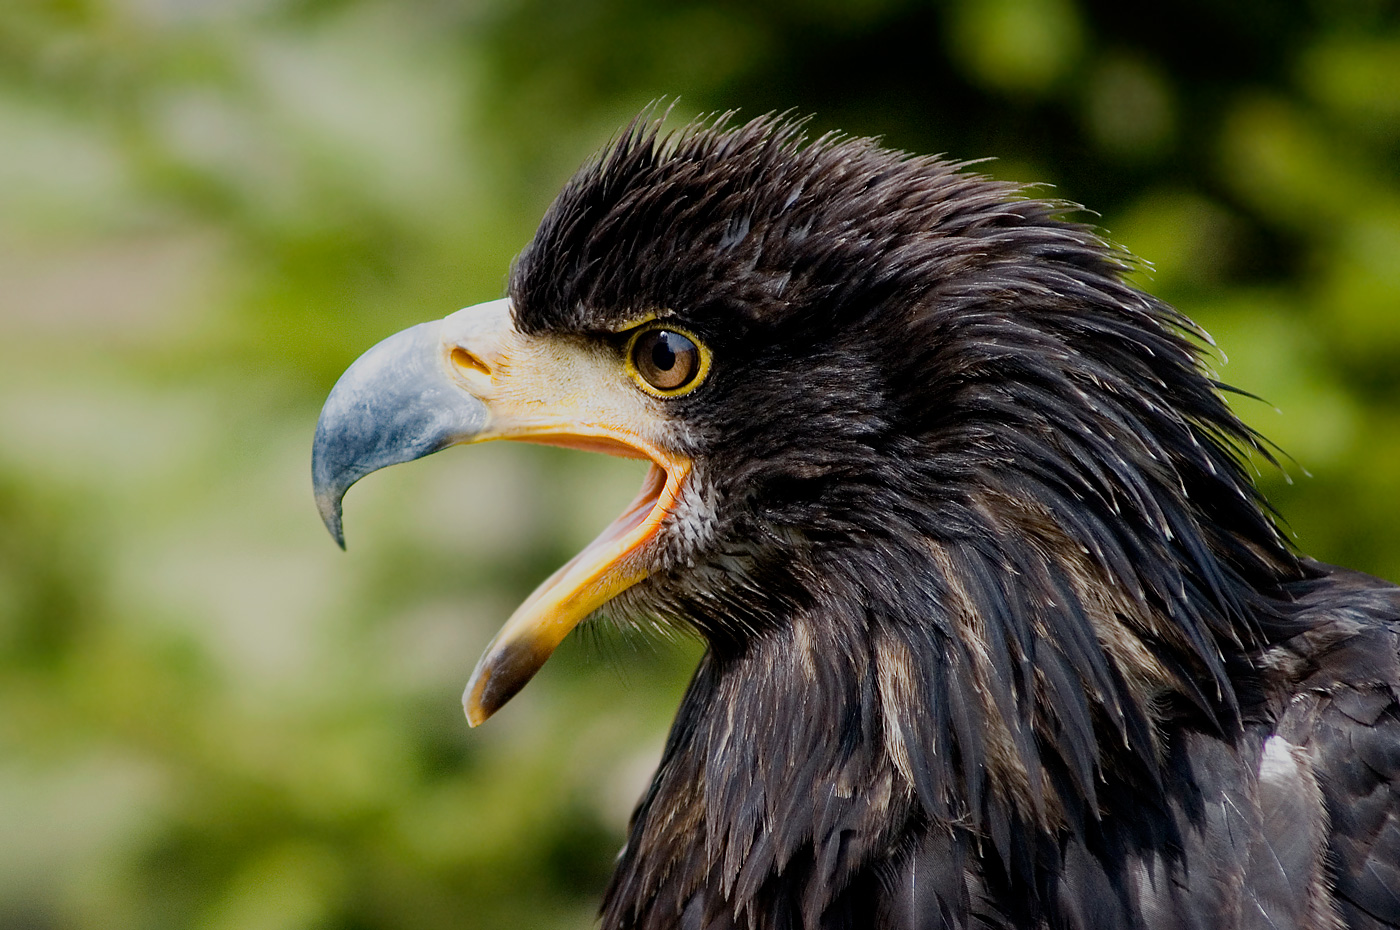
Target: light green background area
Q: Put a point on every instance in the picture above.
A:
(210, 717)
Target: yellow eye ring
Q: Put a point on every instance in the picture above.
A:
(666, 361)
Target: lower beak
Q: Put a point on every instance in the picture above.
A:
(473, 377)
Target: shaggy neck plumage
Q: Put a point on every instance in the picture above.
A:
(939, 681)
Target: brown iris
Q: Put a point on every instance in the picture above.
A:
(667, 360)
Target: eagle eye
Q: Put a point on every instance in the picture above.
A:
(667, 361)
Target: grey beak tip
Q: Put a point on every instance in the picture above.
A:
(337, 531)
(328, 482)
(330, 509)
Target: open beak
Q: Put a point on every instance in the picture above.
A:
(473, 377)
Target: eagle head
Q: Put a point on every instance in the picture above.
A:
(957, 509)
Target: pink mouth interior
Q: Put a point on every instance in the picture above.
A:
(644, 509)
(643, 506)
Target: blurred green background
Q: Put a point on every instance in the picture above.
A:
(212, 718)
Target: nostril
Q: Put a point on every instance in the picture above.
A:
(464, 359)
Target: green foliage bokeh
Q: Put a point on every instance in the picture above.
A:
(209, 716)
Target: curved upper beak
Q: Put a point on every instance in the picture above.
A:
(400, 401)
(473, 377)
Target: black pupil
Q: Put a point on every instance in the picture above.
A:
(663, 357)
(667, 360)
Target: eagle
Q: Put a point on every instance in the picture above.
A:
(999, 631)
